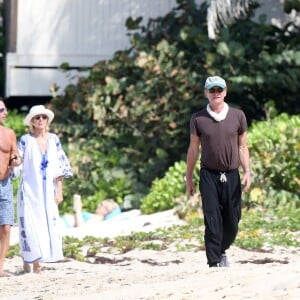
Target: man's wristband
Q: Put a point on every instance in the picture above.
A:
(248, 170)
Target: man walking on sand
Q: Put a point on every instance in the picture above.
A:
(222, 132)
(9, 158)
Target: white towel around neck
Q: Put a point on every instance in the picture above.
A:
(218, 116)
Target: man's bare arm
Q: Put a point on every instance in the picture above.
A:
(245, 161)
(192, 157)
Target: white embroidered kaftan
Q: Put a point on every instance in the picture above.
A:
(40, 239)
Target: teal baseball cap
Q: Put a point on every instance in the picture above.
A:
(215, 81)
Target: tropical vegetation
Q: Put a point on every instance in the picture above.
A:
(127, 122)
(125, 126)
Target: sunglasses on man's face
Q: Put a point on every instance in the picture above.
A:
(216, 90)
(44, 117)
(3, 109)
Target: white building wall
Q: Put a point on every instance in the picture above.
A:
(80, 32)
(80, 27)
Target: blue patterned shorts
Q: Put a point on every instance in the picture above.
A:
(6, 202)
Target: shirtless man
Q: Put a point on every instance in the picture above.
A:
(9, 158)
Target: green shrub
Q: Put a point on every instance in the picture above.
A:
(164, 191)
(274, 147)
(15, 121)
(97, 175)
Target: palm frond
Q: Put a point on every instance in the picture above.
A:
(224, 12)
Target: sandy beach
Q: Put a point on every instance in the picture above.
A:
(148, 274)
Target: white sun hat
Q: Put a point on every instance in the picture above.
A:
(38, 110)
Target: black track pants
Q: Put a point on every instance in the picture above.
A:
(221, 202)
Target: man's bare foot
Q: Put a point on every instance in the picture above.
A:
(5, 274)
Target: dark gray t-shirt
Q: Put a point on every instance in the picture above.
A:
(219, 140)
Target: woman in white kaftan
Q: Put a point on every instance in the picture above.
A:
(44, 165)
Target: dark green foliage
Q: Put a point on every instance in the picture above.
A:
(136, 107)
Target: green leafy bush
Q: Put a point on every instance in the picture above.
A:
(164, 191)
(97, 175)
(15, 121)
(275, 147)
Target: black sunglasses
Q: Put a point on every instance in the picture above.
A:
(216, 90)
(44, 117)
(3, 109)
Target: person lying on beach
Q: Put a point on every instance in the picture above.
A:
(105, 210)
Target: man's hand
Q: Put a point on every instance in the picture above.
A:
(58, 198)
(247, 180)
(190, 187)
(15, 161)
